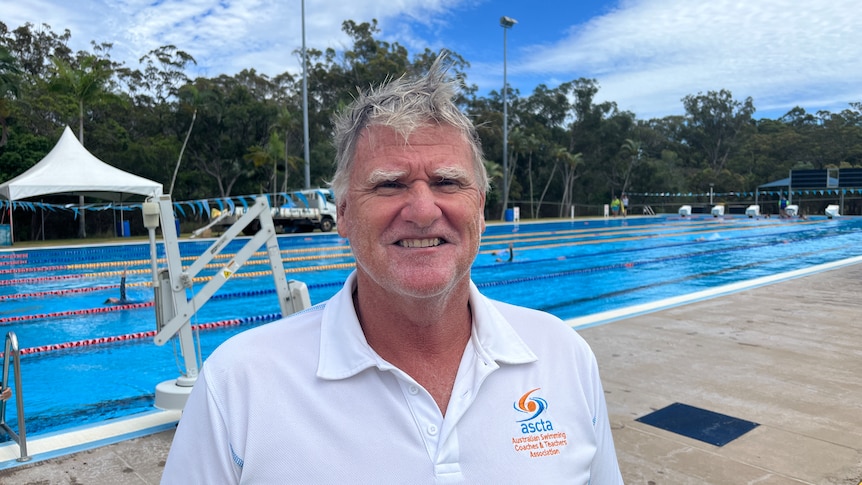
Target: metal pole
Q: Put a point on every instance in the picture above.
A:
(505, 130)
(506, 23)
(305, 103)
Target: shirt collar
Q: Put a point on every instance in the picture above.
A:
(344, 352)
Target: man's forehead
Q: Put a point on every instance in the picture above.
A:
(425, 134)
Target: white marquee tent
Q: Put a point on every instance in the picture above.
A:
(70, 169)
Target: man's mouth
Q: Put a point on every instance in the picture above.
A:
(421, 243)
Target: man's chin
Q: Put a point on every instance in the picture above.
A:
(423, 285)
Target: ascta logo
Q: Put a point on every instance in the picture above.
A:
(534, 406)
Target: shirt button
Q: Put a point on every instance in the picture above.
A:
(413, 390)
(432, 429)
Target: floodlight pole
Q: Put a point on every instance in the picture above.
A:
(305, 104)
(506, 23)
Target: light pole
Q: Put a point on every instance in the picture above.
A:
(507, 23)
(305, 105)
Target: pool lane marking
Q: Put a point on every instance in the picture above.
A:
(77, 344)
(609, 316)
(662, 227)
(583, 242)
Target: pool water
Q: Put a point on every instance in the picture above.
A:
(86, 362)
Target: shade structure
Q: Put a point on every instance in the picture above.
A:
(70, 169)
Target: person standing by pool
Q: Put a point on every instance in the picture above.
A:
(625, 204)
(615, 206)
(408, 371)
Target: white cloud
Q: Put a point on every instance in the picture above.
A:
(648, 54)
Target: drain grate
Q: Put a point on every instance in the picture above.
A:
(696, 423)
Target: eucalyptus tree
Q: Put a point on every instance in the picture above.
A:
(716, 127)
(570, 164)
(235, 117)
(33, 48)
(10, 80)
(544, 117)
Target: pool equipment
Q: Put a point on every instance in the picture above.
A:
(173, 308)
(685, 211)
(12, 356)
(753, 211)
(832, 211)
(792, 210)
(718, 211)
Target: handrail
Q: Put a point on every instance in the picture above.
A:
(12, 352)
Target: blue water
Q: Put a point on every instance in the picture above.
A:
(570, 269)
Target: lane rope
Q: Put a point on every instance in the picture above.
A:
(131, 337)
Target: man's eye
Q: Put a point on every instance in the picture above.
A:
(448, 184)
(388, 186)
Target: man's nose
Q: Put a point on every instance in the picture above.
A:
(421, 206)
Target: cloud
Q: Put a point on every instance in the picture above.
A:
(228, 36)
(646, 54)
(649, 54)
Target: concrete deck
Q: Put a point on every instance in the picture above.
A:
(787, 356)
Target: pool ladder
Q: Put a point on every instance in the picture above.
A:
(12, 355)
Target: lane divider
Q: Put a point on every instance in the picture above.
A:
(130, 337)
(32, 270)
(24, 281)
(68, 291)
(145, 262)
(67, 313)
(149, 304)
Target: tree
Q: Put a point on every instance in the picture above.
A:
(570, 164)
(716, 124)
(84, 84)
(631, 150)
(9, 82)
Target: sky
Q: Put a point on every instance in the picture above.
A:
(646, 55)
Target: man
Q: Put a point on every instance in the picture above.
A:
(782, 207)
(408, 374)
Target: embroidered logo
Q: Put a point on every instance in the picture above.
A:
(533, 406)
(538, 439)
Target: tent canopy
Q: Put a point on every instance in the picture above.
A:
(70, 169)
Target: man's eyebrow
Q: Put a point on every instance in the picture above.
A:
(453, 173)
(380, 175)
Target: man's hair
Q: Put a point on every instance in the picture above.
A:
(404, 105)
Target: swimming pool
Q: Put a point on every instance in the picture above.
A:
(86, 362)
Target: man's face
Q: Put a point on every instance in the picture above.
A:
(413, 212)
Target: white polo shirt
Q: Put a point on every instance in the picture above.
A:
(306, 400)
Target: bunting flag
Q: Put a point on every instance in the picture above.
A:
(203, 207)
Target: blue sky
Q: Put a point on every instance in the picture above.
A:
(645, 54)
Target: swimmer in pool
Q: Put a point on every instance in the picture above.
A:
(122, 300)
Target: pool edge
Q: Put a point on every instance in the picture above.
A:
(596, 319)
(63, 443)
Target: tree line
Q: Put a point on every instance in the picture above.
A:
(243, 133)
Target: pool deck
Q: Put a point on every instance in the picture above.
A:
(787, 356)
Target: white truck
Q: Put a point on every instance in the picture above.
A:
(303, 211)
